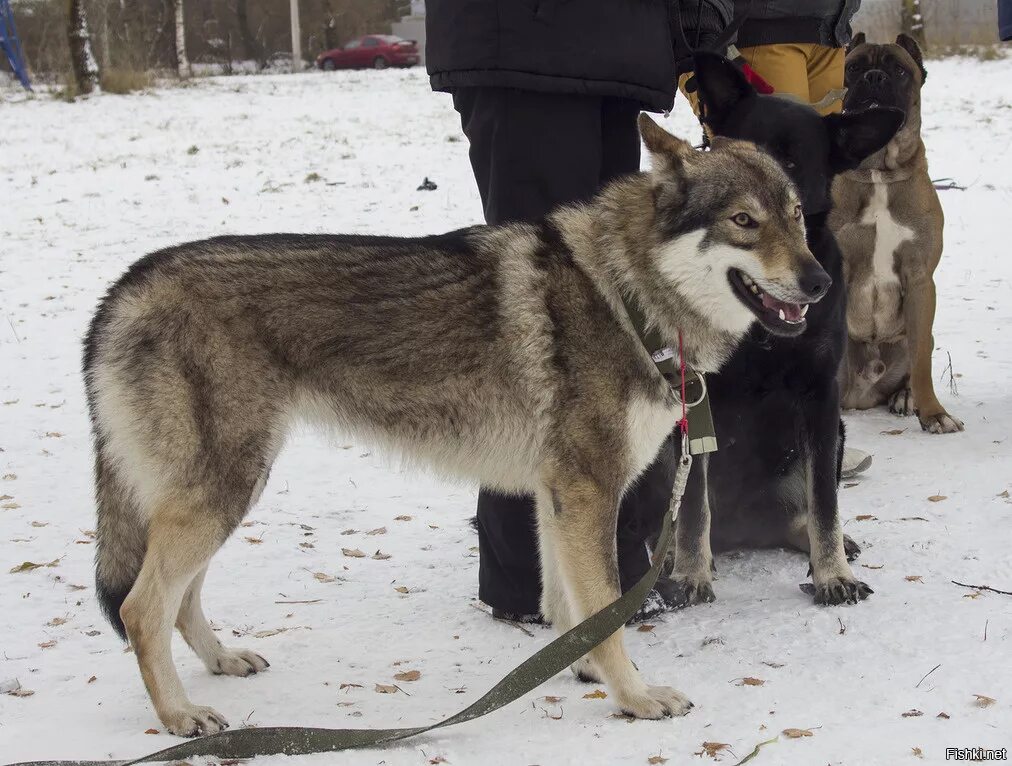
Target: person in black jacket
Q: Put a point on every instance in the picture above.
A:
(548, 93)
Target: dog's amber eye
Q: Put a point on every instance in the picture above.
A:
(797, 212)
(744, 219)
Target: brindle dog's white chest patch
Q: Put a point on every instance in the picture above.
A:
(889, 234)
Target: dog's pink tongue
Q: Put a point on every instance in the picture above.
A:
(792, 311)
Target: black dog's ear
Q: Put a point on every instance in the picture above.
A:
(857, 135)
(909, 44)
(856, 40)
(722, 87)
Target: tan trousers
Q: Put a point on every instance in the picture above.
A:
(805, 70)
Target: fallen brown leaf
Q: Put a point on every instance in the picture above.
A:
(937, 498)
(437, 760)
(350, 686)
(917, 751)
(151, 731)
(92, 680)
(645, 628)
(912, 518)
(873, 566)
(893, 432)
(377, 531)
(401, 588)
(29, 566)
(350, 532)
(750, 681)
(57, 621)
(654, 759)
(403, 517)
(384, 689)
(40, 524)
(597, 694)
(983, 701)
(712, 748)
(913, 578)
(12, 507)
(323, 577)
(380, 556)
(944, 716)
(914, 713)
(408, 675)
(354, 553)
(866, 517)
(797, 733)
(1003, 494)
(47, 644)
(254, 540)
(553, 700)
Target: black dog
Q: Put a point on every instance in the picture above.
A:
(776, 403)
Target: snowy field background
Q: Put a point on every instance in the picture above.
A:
(90, 187)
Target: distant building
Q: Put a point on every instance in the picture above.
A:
(413, 27)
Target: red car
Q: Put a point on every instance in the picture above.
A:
(376, 51)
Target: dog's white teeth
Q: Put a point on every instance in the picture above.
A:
(755, 288)
(783, 316)
(804, 309)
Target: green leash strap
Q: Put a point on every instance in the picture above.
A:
(527, 676)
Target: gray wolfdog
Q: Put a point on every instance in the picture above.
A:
(502, 355)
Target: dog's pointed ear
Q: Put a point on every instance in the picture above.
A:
(857, 135)
(909, 44)
(664, 148)
(856, 40)
(721, 87)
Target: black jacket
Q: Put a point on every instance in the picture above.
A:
(618, 48)
(825, 22)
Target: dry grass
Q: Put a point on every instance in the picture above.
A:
(121, 81)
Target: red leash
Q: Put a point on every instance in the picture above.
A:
(684, 422)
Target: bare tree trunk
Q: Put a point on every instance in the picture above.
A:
(182, 63)
(250, 46)
(911, 20)
(81, 57)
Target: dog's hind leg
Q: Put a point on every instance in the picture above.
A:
(580, 526)
(197, 633)
(182, 537)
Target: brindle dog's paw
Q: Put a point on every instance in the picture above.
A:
(850, 548)
(657, 702)
(194, 720)
(902, 402)
(683, 591)
(838, 590)
(941, 423)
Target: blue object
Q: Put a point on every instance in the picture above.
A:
(1005, 19)
(11, 44)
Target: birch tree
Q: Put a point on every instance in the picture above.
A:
(81, 57)
(911, 20)
(182, 62)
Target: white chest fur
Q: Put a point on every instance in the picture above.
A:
(889, 234)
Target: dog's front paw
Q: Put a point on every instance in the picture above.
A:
(239, 662)
(192, 720)
(841, 590)
(686, 590)
(656, 702)
(902, 402)
(940, 423)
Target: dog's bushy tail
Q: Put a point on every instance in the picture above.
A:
(121, 539)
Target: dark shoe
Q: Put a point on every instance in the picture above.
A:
(653, 605)
(523, 619)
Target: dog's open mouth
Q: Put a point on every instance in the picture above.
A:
(777, 316)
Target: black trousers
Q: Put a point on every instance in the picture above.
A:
(531, 152)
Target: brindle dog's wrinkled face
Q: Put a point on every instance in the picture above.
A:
(888, 75)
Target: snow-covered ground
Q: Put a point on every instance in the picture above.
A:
(90, 187)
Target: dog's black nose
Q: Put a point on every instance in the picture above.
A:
(815, 282)
(875, 77)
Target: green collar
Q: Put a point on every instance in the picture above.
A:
(702, 435)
